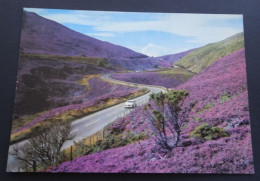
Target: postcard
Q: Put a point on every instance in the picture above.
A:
(131, 92)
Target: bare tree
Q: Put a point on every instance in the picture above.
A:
(167, 115)
(44, 149)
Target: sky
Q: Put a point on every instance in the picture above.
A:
(153, 34)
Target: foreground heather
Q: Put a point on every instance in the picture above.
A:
(227, 155)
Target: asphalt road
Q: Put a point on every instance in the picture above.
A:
(95, 122)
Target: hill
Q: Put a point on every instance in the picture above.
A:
(169, 77)
(202, 57)
(172, 58)
(43, 36)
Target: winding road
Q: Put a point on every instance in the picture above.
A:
(88, 125)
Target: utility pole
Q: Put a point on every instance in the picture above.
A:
(71, 157)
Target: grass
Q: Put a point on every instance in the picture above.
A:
(71, 115)
(177, 73)
(206, 107)
(85, 80)
(79, 59)
(81, 147)
(201, 58)
(198, 119)
(224, 97)
(19, 122)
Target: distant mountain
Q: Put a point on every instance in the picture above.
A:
(43, 36)
(172, 58)
(202, 57)
(149, 62)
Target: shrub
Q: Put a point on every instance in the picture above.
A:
(155, 66)
(206, 132)
(168, 114)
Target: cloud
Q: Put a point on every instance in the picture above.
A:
(200, 28)
(101, 34)
(155, 50)
(88, 18)
(35, 10)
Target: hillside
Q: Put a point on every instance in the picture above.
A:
(43, 36)
(221, 89)
(202, 57)
(53, 59)
(169, 78)
(221, 92)
(172, 58)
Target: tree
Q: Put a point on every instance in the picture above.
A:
(167, 114)
(155, 66)
(44, 149)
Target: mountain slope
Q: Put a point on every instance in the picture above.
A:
(172, 58)
(43, 36)
(221, 89)
(149, 62)
(201, 58)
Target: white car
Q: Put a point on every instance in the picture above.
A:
(130, 104)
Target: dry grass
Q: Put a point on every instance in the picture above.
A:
(86, 78)
(89, 141)
(80, 59)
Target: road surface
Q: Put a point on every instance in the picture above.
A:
(88, 125)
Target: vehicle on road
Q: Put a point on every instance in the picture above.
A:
(130, 104)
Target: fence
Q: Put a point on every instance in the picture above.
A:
(72, 152)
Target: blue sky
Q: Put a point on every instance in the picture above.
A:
(154, 34)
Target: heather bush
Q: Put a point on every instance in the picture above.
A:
(168, 115)
(206, 132)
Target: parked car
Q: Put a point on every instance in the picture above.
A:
(130, 104)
